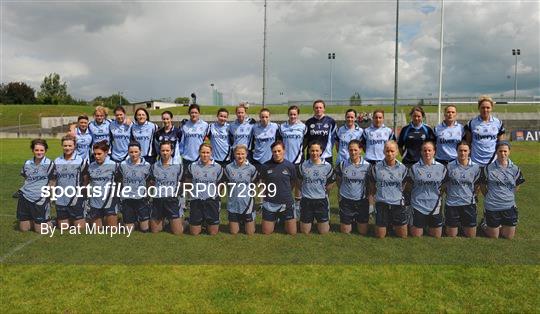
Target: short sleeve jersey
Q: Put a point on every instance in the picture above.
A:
(100, 132)
(68, 172)
(135, 176)
(102, 176)
(208, 176)
(120, 135)
(36, 177)
(411, 139)
(166, 178)
(353, 179)
(240, 133)
(283, 176)
(501, 185)
(262, 138)
(389, 182)
(321, 130)
(193, 135)
(315, 178)
(484, 138)
(374, 139)
(460, 188)
(343, 136)
(427, 182)
(241, 175)
(292, 136)
(144, 135)
(447, 139)
(173, 135)
(219, 139)
(84, 143)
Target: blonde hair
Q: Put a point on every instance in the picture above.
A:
(102, 109)
(240, 146)
(483, 98)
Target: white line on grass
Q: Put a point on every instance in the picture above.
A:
(18, 248)
(7, 215)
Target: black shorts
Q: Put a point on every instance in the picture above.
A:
(166, 207)
(314, 209)
(372, 162)
(27, 210)
(94, 213)
(287, 214)
(135, 210)
(75, 212)
(353, 211)
(444, 162)
(150, 159)
(386, 214)
(204, 210)
(465, 216)
(495, 219)
(241, 218)
(421, 220)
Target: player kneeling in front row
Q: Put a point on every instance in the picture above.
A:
(165, 175)
(68, 174)
(461, 190)
(427, 177)
(317, 178)
(243, 176)
(388, 177)
(134, 173)
(32, 209)
(352, 179)
(501, 180)
(205, 174)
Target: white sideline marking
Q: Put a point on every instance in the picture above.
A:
(18, 248)
(7, 215)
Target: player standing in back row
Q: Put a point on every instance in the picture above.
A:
(321, 128)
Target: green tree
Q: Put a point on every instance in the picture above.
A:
(355, 100)
(111, 101)
(17, 93)
(53, 90)
(181, 100)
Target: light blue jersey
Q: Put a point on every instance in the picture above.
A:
(447, 139)
(193, 135)
(239, 201)
(353, 179)
(120, 135)
(103, 175)
(484, 138)
(84, 143)
(219, 139)
(262, 139)
(374, 139)
(99, 132)
(205, 175)
(68, 173)
(343, 136)
(135, 176)
(315, 178)
(35, 177)
(389, 182)
(144, 135)
(462, 181)
(240, 133)
(292, 136)
(501, 185)
(166, 179)
(427, 181)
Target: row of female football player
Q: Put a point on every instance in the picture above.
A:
(484, 131)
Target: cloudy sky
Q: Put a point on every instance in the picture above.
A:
(159, 49)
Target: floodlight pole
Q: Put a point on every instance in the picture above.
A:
(264, 60)
(396, 65)
(331, 57)
(441, 62)
(515, 52)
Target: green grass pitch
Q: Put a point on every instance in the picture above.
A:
(276, 273)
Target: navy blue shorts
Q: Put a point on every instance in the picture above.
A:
(386, 214)
(75, 212)
(465, 216)
(134, 210)
(353, 211)
(27, 210)
(287, 214)
(150, 159)
(495, 219)
(241, 218)
(166, 207)
(94, 213)
(314, 209)
(421, 220)
(204, 210)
